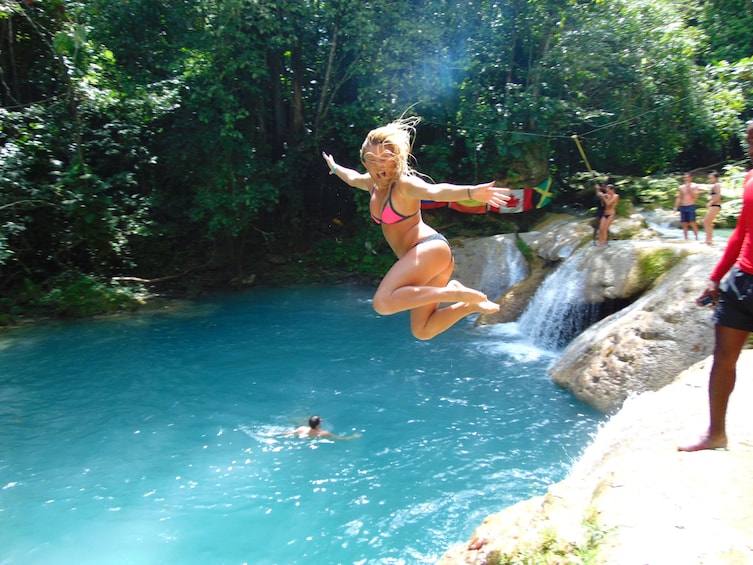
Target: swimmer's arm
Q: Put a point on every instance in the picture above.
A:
(418, 188)
(352, 177)
(330, 435)
(301, 430)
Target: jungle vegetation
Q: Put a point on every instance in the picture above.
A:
(178, 143)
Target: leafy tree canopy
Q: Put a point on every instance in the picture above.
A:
(159, 137)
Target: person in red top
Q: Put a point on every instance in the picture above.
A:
(733, 317)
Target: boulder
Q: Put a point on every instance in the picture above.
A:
(557, 237)
(489, 264)
(514, 302)
(632, 498)
(639, 348)
(644, 346)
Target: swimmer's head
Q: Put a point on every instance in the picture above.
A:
(315, 422)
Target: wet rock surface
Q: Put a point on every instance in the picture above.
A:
(651, 503)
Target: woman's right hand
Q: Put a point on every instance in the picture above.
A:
(711, 291)
(330, 162)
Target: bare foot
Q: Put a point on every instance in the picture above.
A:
(706, 442)
(462, 293)
(486, 307)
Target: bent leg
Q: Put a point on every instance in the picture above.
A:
(419, 282)
(604, 230)
(729, 343)
(414, 281)
(427, 322)
(708, 224)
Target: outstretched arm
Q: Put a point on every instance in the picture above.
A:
(349, 176)
(341, 438)
(447, 192)
(300, 430)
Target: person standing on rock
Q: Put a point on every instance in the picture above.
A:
(733, 317)
(600, 188)
(610, 199)
(685, 203)
(713, 206)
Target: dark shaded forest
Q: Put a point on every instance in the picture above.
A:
(176, 144)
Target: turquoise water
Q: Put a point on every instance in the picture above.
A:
(151, 438)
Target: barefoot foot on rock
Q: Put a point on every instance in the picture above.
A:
(706, 442)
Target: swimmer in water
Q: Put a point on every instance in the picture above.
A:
(314, 429)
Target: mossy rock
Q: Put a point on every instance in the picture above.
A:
(653, 263)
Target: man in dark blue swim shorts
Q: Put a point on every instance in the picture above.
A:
(685, 203)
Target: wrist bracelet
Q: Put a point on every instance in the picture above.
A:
(334, 168)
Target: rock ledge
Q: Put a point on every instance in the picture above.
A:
(653, 504)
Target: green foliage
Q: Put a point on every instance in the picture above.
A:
(365, 255)
(653, 263)
(637, 99)
(659, 191)
(552, 550)
(726, 25)
(70, 295)
(131, 128)
(83, 296)
(524, 249)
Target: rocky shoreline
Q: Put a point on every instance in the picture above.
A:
(631, 498)
(647, 502)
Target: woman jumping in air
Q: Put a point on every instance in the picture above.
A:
(420, 280)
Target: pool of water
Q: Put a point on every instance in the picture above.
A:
(154, 438)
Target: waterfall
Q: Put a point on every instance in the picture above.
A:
(503, 268)
(559, 310)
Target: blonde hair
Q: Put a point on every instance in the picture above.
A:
(398, 137)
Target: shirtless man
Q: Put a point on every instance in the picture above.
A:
(733, 318)
(685, 203)
(314, 429)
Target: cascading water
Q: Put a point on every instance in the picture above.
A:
(559, 310)
(503, 269)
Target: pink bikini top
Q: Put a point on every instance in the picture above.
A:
(389, 214)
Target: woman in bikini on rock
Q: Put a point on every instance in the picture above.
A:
(420, 279)
(610, 198)
(714, 206)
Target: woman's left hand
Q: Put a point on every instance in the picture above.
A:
(494, 195)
